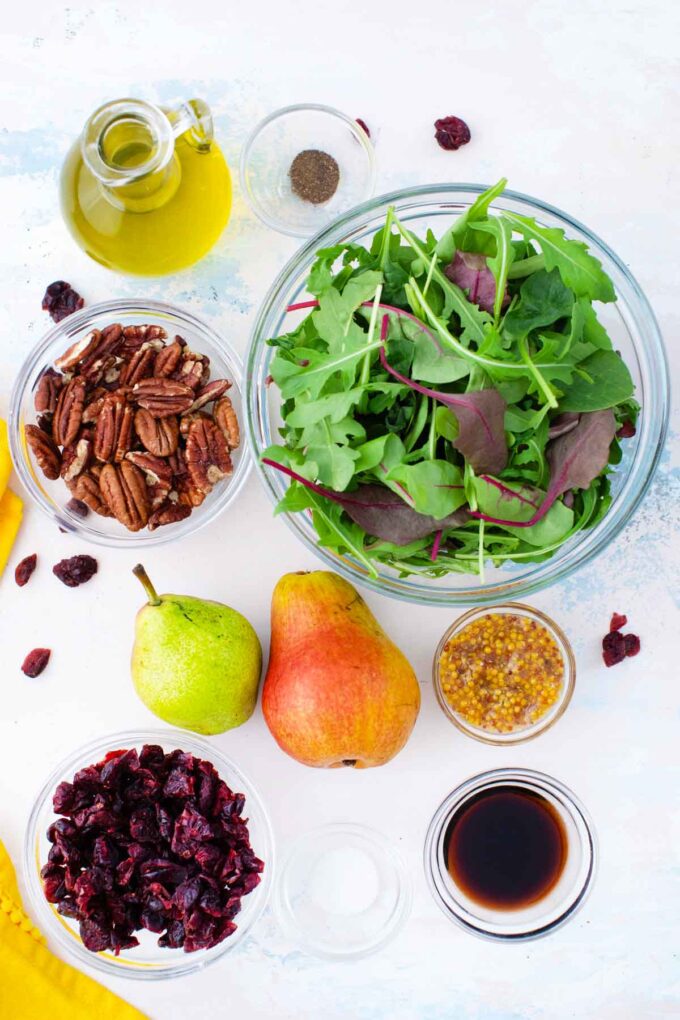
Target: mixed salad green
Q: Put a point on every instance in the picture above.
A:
(449, 401)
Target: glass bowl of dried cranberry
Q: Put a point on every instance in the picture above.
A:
(124, 423)
(148, 854)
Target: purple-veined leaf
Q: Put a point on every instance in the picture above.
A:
(379, 511)
(576, 458)
(471, 273)
(480, 416)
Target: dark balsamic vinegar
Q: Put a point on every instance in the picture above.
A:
(506, 848)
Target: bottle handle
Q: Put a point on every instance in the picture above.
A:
(193, 119)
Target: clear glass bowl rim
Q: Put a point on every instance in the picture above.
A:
(652, 426)
(94, 751)
(398, 918)
(83, 320)
(551, 716)
(260, 211)
(541, 782)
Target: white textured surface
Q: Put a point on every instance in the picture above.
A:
(576, 103)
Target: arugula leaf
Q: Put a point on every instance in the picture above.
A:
(578, 268)
(448, 243)
(501, 261)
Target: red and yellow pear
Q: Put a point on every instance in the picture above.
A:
(337, 691)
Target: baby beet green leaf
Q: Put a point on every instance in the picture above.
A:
(575, 458)
(379, 510)
(471, 273)
(481, 435)
(578, 268)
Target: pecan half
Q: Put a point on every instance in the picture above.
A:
(86, 489)
(207, 454)
(211, 391)
(80, 349)
(194, 370)
(113, 431)
(124, 489)
(140, 366)
(47, 392)
(168, 513)
(227, 422)
(186, 493)
(44, 450)
(187, 419)
(135, 336)
(75, 458)
(167, 360)
(163, 397)
(160, 436)
(96, 361)
(68, 414)
(94, 405)
(158, 475)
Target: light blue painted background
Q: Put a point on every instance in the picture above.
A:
(574, 103)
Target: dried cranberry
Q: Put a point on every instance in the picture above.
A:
(617, 621)
(451, 132)
(35, 661)
(627, 430)
(613, 648)
(632, 644)
(77, 507)
(24, 569)
(151, 841)
(75, 570)
(363, 125)
(61, 300)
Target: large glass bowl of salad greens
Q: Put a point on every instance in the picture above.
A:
(456, 395)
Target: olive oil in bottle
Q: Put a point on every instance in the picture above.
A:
(144, 190)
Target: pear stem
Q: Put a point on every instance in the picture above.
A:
(152, 595)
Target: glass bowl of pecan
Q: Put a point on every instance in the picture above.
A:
(125, 423)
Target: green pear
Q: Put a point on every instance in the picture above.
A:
(195, 663)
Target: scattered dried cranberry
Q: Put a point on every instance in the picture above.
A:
(451, 132)
(627, 430)
(76, 570)
(35, 661)
(617, 621)
(61, 300)
(613, 648)
(23, 570)
(149, 841)
(363, 125)
(77, 507)
(617, 646)
(632, 644)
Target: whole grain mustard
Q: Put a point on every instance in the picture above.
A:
(502, 672)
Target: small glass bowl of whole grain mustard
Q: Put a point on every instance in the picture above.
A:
(504, 674)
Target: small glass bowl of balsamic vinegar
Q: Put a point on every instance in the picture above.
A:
(510, 854)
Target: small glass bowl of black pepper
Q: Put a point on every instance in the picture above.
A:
(510, 855)
(304, 165)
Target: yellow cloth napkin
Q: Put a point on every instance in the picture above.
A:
(35, 984)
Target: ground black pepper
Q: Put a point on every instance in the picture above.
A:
(314, 176)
